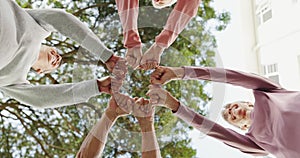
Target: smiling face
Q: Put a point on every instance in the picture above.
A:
(238, 114)
(162, 3)
(48, 60)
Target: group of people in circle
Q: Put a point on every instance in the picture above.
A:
(270, 121)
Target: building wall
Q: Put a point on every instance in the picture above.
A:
(279, 40)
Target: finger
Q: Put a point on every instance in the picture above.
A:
(120, 75)
(152, 64)
(130, 103)
(136, 64)
(146, 101)
(154, 86)
(118, 72)
(121, 63)
(139, 101)
(156, 81)
(143, 66)
(143, 101)
(154, 100)
(131, 60)
(154, 96)
(149, 93)
(156, 74)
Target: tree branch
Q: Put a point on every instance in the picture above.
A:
(77, 13)
(30, 132)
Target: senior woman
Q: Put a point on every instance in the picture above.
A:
(271, 121)
(21, 34)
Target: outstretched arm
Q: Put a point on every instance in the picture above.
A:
(94, 143)
(144, 112)
(243, 143)
(180, 16)
(57, 95)
(68, 25)
(128, 12)
(150, 147)
(238, 78)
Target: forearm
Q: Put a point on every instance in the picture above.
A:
(128, 11)
(238, 78)
(52, 96)
(91, 147)
(70, 26)
(180, 16)
(150, 147)
(94, 143)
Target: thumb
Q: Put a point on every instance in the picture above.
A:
(156, 81)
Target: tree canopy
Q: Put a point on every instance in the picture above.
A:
(59, 132)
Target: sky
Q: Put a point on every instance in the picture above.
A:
(228, 44)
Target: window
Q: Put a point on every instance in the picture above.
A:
(299, 63)
(264, 11)
(271, 72)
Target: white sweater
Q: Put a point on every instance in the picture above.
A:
(21, 34)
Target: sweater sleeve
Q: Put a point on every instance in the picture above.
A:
(68, 25)
(238, 78)
(180, 16)
(128, 11)
(227, 136)
(52, 96)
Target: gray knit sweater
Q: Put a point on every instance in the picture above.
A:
(21, 34)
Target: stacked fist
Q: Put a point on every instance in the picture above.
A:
(141, 107)
(149, 60)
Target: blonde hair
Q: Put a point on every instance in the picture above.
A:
(224, 114)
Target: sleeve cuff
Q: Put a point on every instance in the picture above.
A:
(85, 90)
(106, 54)
(185, 114)
(187, 72)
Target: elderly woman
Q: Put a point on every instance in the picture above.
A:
(180, 16)
(21, 34)
(270, 121)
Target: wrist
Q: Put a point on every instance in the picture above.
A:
(178, 71)
(175, 107)
(146, 123)
(99, 85)
(113, 58)
(172, 103)
(158, 48)
(112, 115)
(147, 127)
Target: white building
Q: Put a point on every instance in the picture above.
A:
(278, 40)
(264, 38)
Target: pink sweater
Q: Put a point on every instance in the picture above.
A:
(183, 12)
(276, 111)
